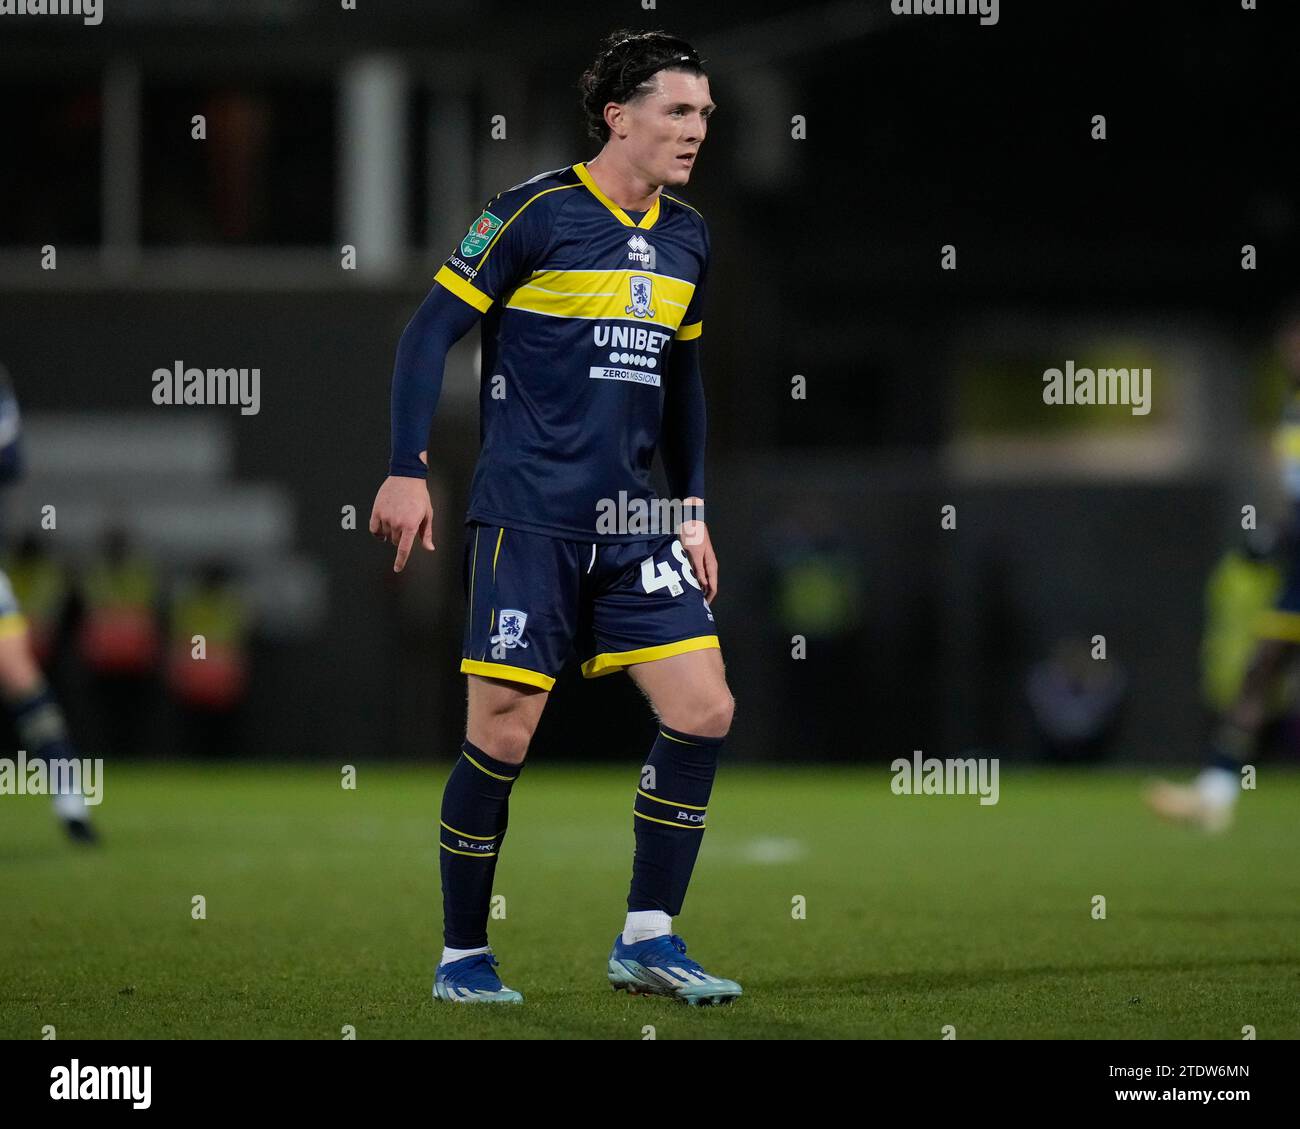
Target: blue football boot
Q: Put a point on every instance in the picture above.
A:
(661, 967)
(472, 980)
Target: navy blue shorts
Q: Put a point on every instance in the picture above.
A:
(533, 598)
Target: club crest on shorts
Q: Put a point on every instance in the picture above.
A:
(511, 627)
(641, 289)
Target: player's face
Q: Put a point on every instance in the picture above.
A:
(668, 127)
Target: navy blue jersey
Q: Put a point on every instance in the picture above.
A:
(581, 305)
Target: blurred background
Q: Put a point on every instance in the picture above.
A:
(373, 129)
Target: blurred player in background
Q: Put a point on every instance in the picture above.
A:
(42, 732)
(1210, 800)
(589, 281)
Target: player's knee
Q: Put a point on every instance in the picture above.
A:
(711, 716)
(508, 738)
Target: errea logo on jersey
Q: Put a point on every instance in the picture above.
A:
(641, 251)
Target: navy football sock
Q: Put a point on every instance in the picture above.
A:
(475, 807)
(40, 725)
(668, 818)
(43, 734)
(41, 728)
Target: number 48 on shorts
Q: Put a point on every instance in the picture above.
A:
(614, 604)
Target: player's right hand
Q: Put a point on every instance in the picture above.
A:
(403, 512)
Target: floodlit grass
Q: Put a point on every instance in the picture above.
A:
(323, 909)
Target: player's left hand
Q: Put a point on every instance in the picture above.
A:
(694, 537)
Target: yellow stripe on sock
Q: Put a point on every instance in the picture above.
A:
(679, 740)
(671, 803)
(494, 775)
(669, 823)
(467, 835)
(470, 854)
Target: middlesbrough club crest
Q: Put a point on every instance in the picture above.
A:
(641, 290)
(511, 628)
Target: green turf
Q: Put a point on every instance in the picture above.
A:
(323, 910)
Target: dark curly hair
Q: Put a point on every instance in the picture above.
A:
(627, 61)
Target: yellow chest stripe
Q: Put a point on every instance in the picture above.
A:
(606, 294)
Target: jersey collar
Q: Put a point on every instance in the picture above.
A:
(647, 221)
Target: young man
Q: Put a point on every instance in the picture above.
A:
(590, 282)
(26, 694)
(1210, 801)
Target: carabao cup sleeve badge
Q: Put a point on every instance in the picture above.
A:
(479, 235)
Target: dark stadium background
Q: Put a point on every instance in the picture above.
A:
(924, 385)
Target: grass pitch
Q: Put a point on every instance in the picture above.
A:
(323, 910)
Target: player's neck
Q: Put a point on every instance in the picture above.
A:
(628, 191)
